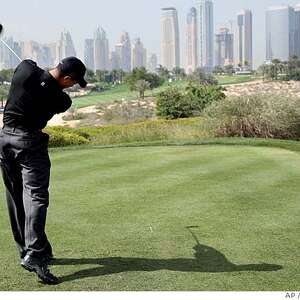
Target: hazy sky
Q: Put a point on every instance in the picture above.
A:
(44, 20)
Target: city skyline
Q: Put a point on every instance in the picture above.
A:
(148, 31)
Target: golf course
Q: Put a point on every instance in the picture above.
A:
(168, 218)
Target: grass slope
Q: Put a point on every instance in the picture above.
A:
(118, 219)
(123, 92)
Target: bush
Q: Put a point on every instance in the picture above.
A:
(60, 137)
(148, 131)
(263, 116)
(200, 76)
(174, 103)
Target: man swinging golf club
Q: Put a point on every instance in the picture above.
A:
(35, 96)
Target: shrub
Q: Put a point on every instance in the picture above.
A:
(200, 76)
(264, 116)
(158, 130)
(174, 103)
(171, 104)
(60, 137)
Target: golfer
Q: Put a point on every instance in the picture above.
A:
(35, 96)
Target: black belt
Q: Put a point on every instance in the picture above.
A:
(18, 129)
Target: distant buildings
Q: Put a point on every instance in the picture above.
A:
(203, 48)
(7, 59)
(114, 61)
(206, 34)
(224, 47)
(243, 38)
(101, 50)
(282, 35)
(123, 52)
(65, 46)
(89, 54)
(297, 30)
(152, 63)
(191, 41)
(43, 54)
(170, 48)
(139, 54)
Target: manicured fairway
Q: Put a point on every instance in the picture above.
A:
(123, 92)
(118, 220)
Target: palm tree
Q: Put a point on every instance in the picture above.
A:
(141, 86)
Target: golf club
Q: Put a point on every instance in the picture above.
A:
(190, 229)
(7, 46)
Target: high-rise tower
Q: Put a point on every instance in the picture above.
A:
(170, 49)
(191, 41)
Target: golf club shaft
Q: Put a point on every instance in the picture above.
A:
(12, 51)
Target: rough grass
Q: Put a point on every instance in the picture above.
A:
(148, 131)
(118, 220)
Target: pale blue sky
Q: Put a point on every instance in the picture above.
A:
(44, 20)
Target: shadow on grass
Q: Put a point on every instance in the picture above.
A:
(207, 259)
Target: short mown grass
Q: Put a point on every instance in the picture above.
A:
(122, 91)
(197, 218)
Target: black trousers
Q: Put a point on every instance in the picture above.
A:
(25, 166)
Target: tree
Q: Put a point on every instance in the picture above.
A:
(263, 70)
(246, 64)
(292, 68)
(174, 103)
(200, 76)
(90, 76)
(100, 75)
(218, 70)
(229, 69)
(141, 86)
(275, 68)
(142, 74)
(163, 72)
(179, 73)
(7, 74)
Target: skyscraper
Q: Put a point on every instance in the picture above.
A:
(191, 41)
(114, 61)
(206, 34)
(41, 53)
(280, 33)
(65, 46)
(243, 37)
(297, 30)
(138, 54)
(123, 51)
(170, 49)
(152, 63)
(89, 54)
(52, 47)
(101, 50)
(224, 48)
(31, 50)
(7, 59)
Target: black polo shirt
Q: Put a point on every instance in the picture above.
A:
(34, 98)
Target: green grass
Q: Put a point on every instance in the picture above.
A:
(118, 218)
(118, 93)
(122, 91)
(225, 80)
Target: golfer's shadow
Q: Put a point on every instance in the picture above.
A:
(207, 259)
